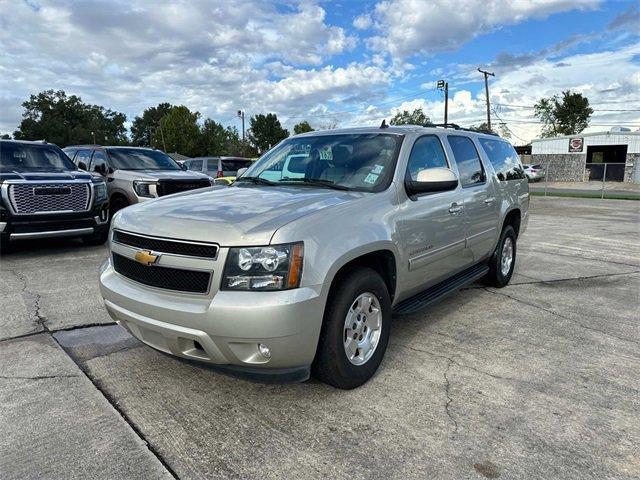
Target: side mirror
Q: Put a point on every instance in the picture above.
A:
(183, 166)
(240, 172)
(101, 169)
(432, 180)
(82, 166)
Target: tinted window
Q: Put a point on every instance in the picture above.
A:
(22, 156)
(233, 166)
(426, 153)
(99, 162)
(82, 159)
(140, 159)
(195, 165)
(504, 159)
(354, 161)
(467, 159)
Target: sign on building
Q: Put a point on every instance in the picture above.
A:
(576, 144)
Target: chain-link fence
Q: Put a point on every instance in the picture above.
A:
(603, 180)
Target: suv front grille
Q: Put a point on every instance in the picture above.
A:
(167, 187)
(49, 197)
(166, 246)
(176, 279)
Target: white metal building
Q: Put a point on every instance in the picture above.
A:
(589, 156)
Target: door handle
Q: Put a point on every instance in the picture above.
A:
(455, 208)
(489, 200)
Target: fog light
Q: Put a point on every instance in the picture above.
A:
(264, 350)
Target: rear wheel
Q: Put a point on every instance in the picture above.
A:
(355, 331)
(503, 260)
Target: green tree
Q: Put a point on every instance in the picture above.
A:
(568, 115)
(265, 131)
(502, 130)
(213, 139)
(66, 120)
(302, 127)
(5, 136)
(416, 117)
(144, 126)
(179, 131)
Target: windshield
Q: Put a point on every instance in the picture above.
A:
(24, 156)
(140, 159)
(352, 161)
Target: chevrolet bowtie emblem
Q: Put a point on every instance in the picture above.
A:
(146, 257)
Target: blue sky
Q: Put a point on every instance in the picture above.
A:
(332, 63)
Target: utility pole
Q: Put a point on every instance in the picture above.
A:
(241, 115)
(486, 91)
(164, 145)
(442, 85)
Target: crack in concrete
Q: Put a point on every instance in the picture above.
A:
(558, 280)
(447, 405)
(34, 299)
(451, 360)
(36, 377)
(564, 317)
(586, 258)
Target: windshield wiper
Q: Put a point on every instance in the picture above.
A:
(317, 181)
(256, 180)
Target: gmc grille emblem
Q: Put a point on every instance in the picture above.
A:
(52, 191)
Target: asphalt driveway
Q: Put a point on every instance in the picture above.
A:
(540, 379)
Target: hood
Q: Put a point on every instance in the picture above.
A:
(55, 175)
(230, 216)
(152, 175)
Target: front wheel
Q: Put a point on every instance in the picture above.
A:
(503, 260)
(355, 331)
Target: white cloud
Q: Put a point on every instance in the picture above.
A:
(362, 22)
(409, 27)
(213, 57)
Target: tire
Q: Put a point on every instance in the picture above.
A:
(331, 364)
(4, 244)
(499, 276)
(118, 203)
(98, 238)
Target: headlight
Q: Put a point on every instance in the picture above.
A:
(143, 189)
(100, 192)
(274, 267)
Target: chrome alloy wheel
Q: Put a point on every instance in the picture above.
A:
(506, 258)
(362, 328)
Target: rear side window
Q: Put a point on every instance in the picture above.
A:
(427, 152)
(82, 159)
(467, 159)
(504, 159)
(195, 165)
(235, 165)
(99, 162)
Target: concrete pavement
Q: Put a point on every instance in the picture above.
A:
(537, 380)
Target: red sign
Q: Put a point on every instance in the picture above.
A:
(576, 144)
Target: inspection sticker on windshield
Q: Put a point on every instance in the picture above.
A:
(371, 178)
(377, 169)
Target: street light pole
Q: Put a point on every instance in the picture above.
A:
(241, 115)
(486, 91)
(442, 85)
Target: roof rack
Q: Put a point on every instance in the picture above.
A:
(455, 126)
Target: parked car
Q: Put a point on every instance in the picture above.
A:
(302, 274)
(534, 173)
(135, 174)
(43, 195)
(223, 169)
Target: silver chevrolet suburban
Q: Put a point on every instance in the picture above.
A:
(298, 270)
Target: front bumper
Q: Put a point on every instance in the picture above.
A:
(29, 227)
(223, 328)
